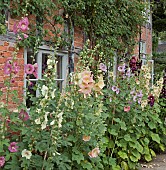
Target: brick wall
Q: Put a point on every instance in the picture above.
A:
(146, 36)
(6, 51)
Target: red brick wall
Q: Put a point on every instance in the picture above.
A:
(146, 36)
(6, 51)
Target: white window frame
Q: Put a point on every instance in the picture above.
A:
(142, 47)
(46, 50)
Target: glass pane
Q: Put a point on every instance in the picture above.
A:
(31, 92)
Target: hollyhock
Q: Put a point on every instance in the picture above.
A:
(98, 86)
(139, 94)
(85, 90)
(25, 36)
(7, 69)
(94, 153)
(117, 91)
(103, 67)
(121, 68)
(126, 108)
(13, 147)
(29, 68)
(114, 88)
(16, 68)
(27, 154)
(86, 138)
(23, 24)
(15, 28)
(2, 161)
(23, 115)
(35, 70)
(151, 100)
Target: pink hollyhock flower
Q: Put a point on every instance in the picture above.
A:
(23, 115)
(114, 88)
(121, 68)
(86, 138)
(16, 68)
(2, 161)
(7, 69)
(25, 36)
(103, 67)
(23, 24)
(94, 153)
(117, 91)
(15, 28)
(86, 73)
(35, 71)
(13, 147)
(87, 80)
(29, 68)
(126, 108)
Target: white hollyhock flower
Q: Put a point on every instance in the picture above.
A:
(44, 90)
(27, 154)
(37, 121)
(43, 125)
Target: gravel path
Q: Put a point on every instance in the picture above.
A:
(158, 163)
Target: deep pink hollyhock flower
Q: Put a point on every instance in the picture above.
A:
(2, 161)
(16, 68)
(7, 69)
(103, 67)
(23, 24)
(12, 80)
(29, 68)
(13, 147)
(126, 108)
(15, 28)
(23, 115)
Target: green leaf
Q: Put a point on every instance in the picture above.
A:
(152, 125)
(133, 158)
(162, 147)
(77, 156)
(112, 161)
(122, 154)
(136, 154)
(127, 138)
(112, 132)
(124, 165)
(86, 165)
(139, 147)
(148, 157)
(152, 153)
(155, 137)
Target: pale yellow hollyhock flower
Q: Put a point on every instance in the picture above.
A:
(144, 103)
(98, 86)
(86, 138)
(94, 153)
(147, 76)
(38, 121)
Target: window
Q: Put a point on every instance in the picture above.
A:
(142, 47)
(41, 60)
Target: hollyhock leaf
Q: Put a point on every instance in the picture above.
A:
(122, 154)
(155, 137)
(148, 157)
(86, 165)
(152, 125)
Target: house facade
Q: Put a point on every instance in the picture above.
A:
(66, 61)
